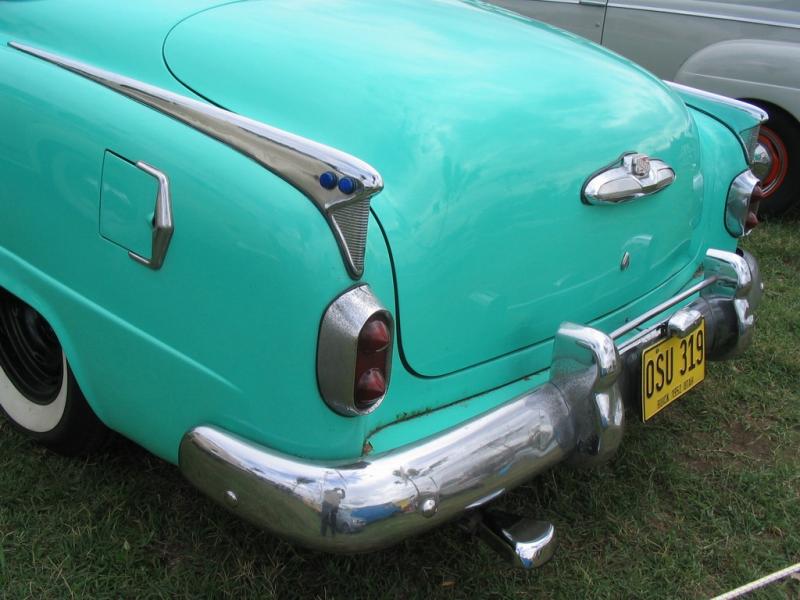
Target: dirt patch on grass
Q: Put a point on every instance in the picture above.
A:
(746, 443)
(751, 441)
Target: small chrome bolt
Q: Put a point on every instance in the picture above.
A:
(231, 499)
(626, 261)
(428, 507)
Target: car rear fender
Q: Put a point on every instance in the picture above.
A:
(226, 330)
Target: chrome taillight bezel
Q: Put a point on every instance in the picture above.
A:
(737, 205)
(337, 349)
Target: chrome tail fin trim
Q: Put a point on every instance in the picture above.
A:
(299, 161)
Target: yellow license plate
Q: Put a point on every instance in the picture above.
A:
(671, 368)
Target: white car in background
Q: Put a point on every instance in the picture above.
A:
(746, 49)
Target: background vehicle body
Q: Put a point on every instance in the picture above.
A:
(738, 48)
(479, 247)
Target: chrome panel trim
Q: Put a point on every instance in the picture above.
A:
(657, 310)
(708, 15)
(585, 367)
(163, 225)
(625, 262)
(377, 500)
(733, 275)
(757, 113)
(761, 162)
(684, 321)
(337, 344)
(738, 203)
(630, 177)
(297, 160)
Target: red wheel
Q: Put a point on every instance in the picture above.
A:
(780, 138)
(779, 158)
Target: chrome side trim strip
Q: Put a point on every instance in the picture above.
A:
(757, 113)
(299, 161)
(707, 15)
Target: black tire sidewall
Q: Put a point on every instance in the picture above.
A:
(77, 431)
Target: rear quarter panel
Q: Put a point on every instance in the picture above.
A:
(226, 331)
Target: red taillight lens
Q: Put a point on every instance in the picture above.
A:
(752, 209)
(372, 361)
(370, 387)
(374, 336)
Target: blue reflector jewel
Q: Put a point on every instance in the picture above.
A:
(328, 180)
(347, 185)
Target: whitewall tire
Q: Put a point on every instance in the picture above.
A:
(38, 391)
(32, 416)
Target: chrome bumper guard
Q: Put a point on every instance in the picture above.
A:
(578, 416)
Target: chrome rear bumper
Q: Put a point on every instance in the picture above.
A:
(375, 501)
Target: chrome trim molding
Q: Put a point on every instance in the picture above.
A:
(738, 203)
(755, 112)
(708, 15)
(684, 321)
(748, 136)
(377, 500)
(761, 162)
(394, 495)
(299, 161)
(585, 368)
(337, 344)
(162, 221)
(737, 292)
(657, 310)
(632, 176)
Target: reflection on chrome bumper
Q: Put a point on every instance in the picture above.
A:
(375, 501)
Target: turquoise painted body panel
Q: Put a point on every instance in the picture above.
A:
(127, 200)
(482, 170)
(516, 251)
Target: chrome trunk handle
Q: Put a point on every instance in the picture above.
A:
(630, 177)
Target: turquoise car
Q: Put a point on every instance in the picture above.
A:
(357, 267)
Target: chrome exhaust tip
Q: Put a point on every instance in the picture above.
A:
(524, 543)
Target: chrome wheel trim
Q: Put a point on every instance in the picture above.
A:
(38, 418)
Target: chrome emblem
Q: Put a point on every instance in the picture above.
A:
(631, 176)
(639, 164)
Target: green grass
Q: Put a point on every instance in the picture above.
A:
(703, 499)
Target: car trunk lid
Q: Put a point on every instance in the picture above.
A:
(485, 128)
